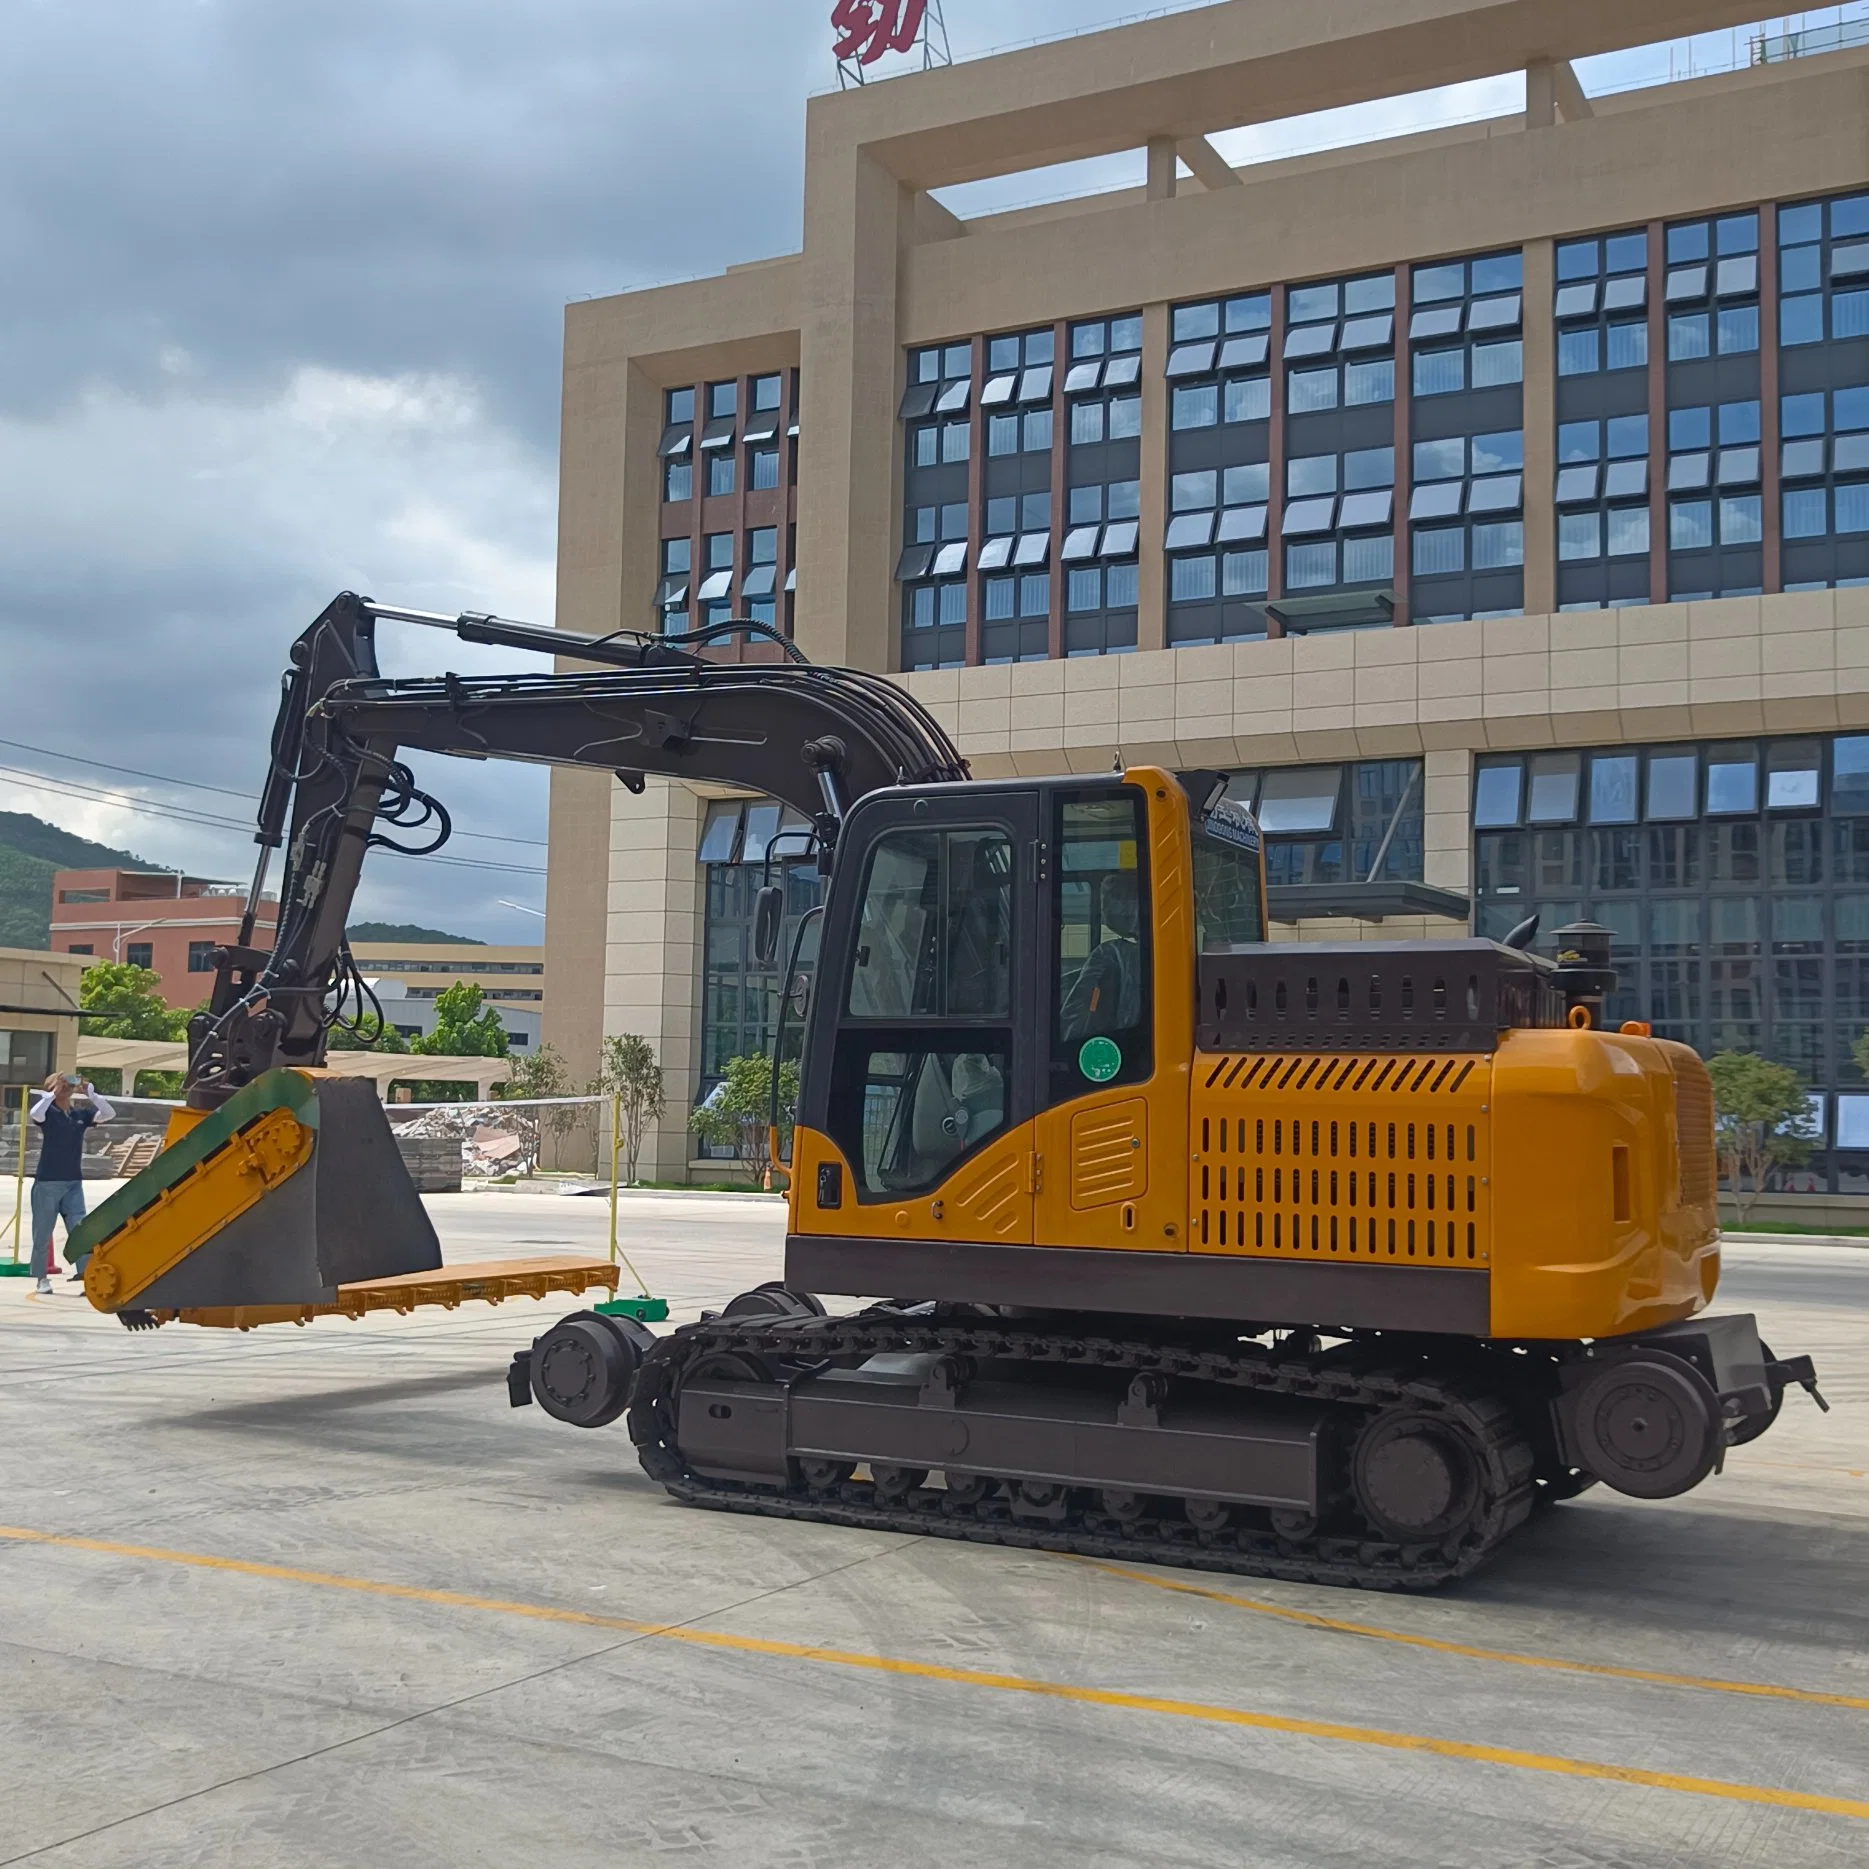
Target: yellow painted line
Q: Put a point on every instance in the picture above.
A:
(977, 1677)
(1557, 1663)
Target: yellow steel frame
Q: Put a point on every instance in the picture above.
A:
(223, 1187)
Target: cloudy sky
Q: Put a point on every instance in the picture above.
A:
(281, 316)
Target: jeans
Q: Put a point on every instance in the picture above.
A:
(52, 1200)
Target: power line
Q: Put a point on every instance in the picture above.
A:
(205, 821)
(198, 785)
(135, 772)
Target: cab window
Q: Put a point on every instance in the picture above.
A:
(1100, 963)
(934, 938)
(1226, 895)
(924, 1052)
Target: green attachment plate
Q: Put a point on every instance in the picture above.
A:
(277, 1090)
(644, 1310)
(10, 1268)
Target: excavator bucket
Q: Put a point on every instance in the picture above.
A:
(290, 1189)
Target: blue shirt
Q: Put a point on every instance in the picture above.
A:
(61, 1153)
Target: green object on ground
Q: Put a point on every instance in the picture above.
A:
(15, 1268)
(643, 1310)
(277, 1090)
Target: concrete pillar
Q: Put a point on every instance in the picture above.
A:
(652, 972)
(1161, 172)
(1540, 393)
(1447, 837)
(1151, 566)
(850, 377)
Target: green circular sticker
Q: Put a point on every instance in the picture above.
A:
(1099, 1059)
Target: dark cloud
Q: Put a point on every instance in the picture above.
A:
(282, 315)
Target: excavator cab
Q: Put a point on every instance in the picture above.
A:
(998, 1050)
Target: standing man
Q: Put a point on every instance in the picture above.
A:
(58, 1181)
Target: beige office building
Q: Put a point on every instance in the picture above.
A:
(510, 978)
(1494, 500)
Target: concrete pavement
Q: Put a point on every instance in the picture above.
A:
(320, 1597)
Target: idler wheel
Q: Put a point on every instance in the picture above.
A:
(1648, 1425)
(1125, 1507)
(581, 1370)
(967, 1489)
(1208, 1515)
(1415, 1477)
(825, 1476)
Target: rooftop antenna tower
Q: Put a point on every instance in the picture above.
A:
(867, 29)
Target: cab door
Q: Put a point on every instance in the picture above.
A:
(923, 1066)
(1098, 1134)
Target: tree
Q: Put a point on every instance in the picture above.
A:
(739, 1108)
(121, 1001)
(541, 1073)
(462, 1028)
(1762, 1120)
(631, 1075)
(368, 1034)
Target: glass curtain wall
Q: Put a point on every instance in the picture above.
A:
(1734, 876)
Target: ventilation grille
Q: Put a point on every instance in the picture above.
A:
(1693, 1130)
(1335, 1074)
(1358, 1158)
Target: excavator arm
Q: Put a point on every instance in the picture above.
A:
(816, 738)
(279, 1185)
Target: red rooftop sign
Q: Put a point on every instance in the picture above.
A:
(866, 29)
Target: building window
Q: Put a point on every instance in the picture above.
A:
(81, 947)
(26, 1057)
(1468, 533)
(201, 957)
(1097, 556)
(1339, 345)
(138, 954)
(1601, 303)
(1824, 409)
(1356, 823)
(1463, 325)
(940, 381)
(1823, 271)
(739, 998)
(1602, 512)
(1466, 526)
(1714, 518)
(676, 448)
(934, 618)
(719, 475)
(671, 593)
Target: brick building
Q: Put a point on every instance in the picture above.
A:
(152, 918)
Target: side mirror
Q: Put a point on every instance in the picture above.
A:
(768, 914)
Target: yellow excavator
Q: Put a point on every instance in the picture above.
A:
(1328, 1262)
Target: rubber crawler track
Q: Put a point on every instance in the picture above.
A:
(1348, 1376)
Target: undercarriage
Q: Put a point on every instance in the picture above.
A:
(1377, 1460)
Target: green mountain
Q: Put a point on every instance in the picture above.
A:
(406, 931)
(30, 851)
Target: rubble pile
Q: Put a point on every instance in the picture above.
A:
(493, 1142)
